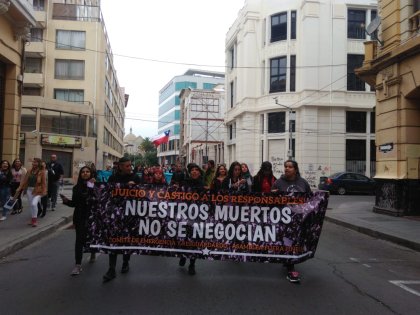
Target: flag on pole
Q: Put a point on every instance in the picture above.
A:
(159, 139)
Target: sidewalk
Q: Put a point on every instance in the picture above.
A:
(16, 234)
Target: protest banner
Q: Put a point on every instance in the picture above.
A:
(241, 227)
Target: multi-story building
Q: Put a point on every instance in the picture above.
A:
(202, 125)
(392, 66)
(169, 107)
(16, 18)
(72, 104)
(132, 143)
(292, 90)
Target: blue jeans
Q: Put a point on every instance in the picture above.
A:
(4, 196)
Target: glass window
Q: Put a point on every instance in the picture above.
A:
(73, 40)
(38, 5)
(33, 65)
(232, 94)
(69, 95)
(293, 25)
(36, 91)
(276, 122)
(62, 123)
(36, 34)
(278, 69)
(372, 122)
(292, 73)
(356, 122)
(69, 69)
(355, 150)
(354, 83)
(28, 119)
(356, 23)
(279, 27)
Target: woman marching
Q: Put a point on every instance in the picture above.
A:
(234, 181)
(290, 183)
(218, 183)
(79, 201)
(18, 174)
(35, 184)
(264, 179)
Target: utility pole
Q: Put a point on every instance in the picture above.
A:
(290, 151)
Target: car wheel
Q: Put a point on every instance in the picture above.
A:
(341, 191)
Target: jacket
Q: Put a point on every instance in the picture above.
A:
(40, 188)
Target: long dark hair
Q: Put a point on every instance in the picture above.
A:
(232, 168)
(295, 166)
(81, 181)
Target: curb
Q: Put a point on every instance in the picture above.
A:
(394, 239)
(30, 239)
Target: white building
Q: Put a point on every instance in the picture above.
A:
(292, 62)
(202, 125)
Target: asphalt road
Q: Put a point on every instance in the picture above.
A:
(351, 274)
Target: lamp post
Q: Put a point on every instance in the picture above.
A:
(290, 151)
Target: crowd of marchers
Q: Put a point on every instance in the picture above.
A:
(191, 178)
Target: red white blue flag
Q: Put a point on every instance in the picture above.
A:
(163, 138)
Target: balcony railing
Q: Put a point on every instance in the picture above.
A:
(76, 12)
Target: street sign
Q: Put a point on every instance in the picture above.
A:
(386, 147)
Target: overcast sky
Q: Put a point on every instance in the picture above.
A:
(179, 35)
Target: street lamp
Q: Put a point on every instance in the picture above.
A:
(290, 151)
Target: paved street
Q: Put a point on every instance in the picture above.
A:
(351, 274)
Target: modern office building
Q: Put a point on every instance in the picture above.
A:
(16, 19)
(202, 125)
(169, 108)
(392, 67)
(72, 104)
(291, 87)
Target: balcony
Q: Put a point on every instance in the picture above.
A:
(33, 79)
(41, 18)
(35, 49)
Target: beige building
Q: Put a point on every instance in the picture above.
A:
(392, 66)
(72, 103)
(132, 143)
(16, 18)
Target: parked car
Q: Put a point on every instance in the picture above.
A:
(347, 182)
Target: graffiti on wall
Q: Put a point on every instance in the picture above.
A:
(388, 196)
(277, 163)
(77, 165)
(312, 173)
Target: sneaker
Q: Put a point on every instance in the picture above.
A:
(76, 270)
(110, 274)
(3, 218)
(125, 267)
(293, 276)
(182, 261)
(191, 269)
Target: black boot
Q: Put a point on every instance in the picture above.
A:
(110, 274)
(191, 267)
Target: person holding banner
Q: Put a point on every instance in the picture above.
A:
(264, 179)
(79, 201)
(234, 180)
(218, 183)
(290, 183)
(124, 175)
(194, 183)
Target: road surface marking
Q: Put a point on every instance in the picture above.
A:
(402, 285)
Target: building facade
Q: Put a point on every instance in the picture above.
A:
(16, 19)
(202, 125)
(169, 108)
(291, 87)
(392, 66)
(72, 104)
(132, 143)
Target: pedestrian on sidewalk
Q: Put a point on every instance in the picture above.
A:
(124, 175)
(55, 176)
(80, 202)
(18, 174)
(5, 185)
(291, 182)
(35, 184)
(43, 205)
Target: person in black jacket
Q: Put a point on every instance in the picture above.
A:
(79, 201)
(194, 183)
(124, 175)
(55, 176)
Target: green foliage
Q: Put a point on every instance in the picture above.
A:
(149, 156)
